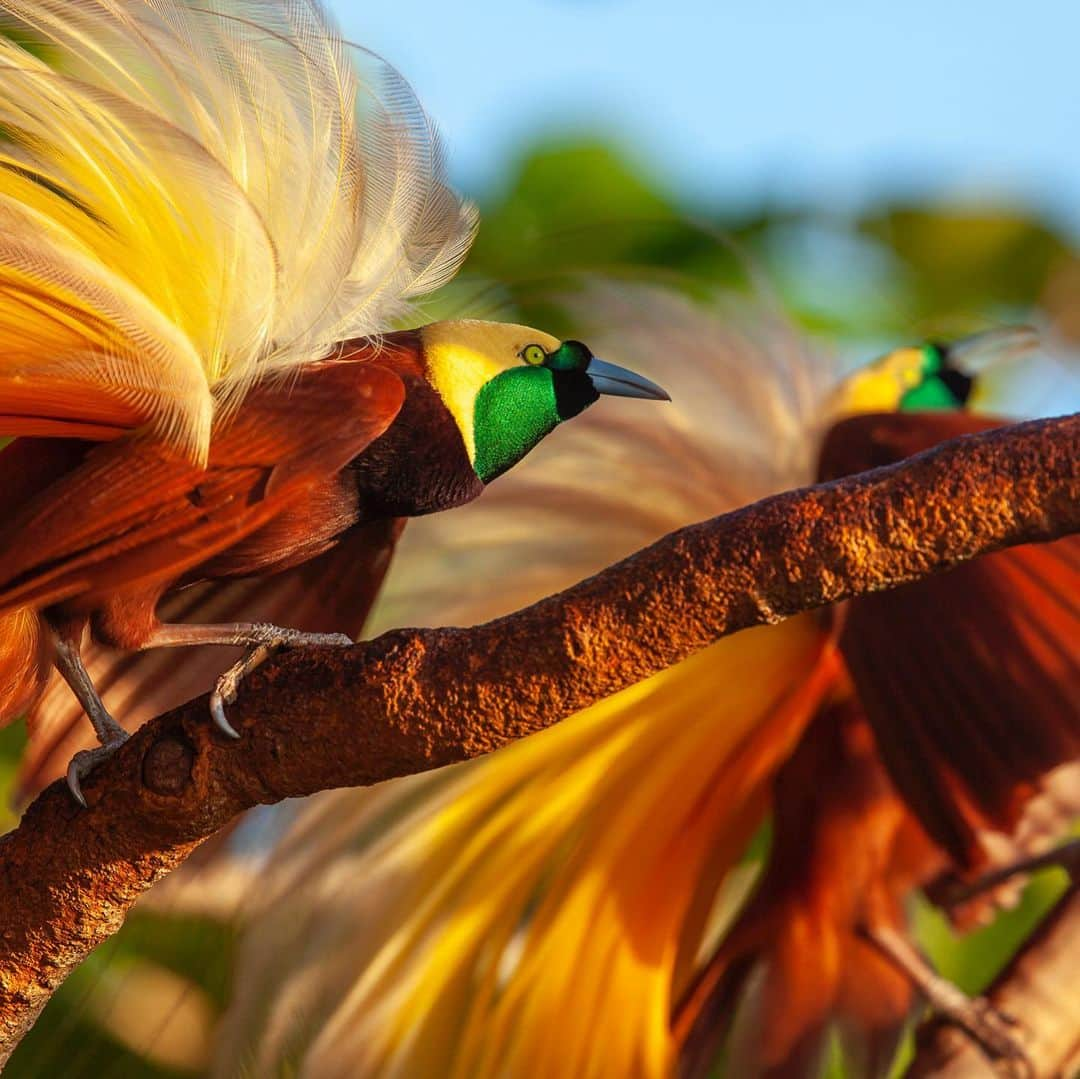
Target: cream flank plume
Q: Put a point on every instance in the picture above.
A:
(195, 194)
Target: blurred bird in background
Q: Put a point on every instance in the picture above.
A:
(211, 221)
(575, 903)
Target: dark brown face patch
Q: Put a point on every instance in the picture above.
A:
(420, 465)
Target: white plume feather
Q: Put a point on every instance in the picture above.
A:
(238, 192)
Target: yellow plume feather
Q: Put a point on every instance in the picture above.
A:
(540, 911)
(545, 910)
(197, 194)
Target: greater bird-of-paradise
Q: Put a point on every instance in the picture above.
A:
(573, 905)
(210, 222)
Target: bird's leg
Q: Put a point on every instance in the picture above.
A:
(262, 639)
(111, 735)
(976, 1015)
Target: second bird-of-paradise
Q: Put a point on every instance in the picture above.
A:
(575, 905)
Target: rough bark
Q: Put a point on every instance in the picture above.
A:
(417, 699)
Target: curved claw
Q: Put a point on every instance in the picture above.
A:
(86, 760)
(73, 782)
(266, 639)
(217, 714)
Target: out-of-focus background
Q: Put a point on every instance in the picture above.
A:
(733, 106)
(893, 171)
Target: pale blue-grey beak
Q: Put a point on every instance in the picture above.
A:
(619, 382)
(982, 350)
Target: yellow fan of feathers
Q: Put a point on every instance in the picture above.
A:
(194, 194)
(538, 911)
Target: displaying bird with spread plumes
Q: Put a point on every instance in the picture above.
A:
(574, 904)
(211, 220)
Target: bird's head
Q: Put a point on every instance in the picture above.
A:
(932, 376)
(508, 386)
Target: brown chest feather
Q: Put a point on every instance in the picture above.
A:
(420, 465)
(356, 439)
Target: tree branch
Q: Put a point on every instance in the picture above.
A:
(1038, 989)
(417, 699)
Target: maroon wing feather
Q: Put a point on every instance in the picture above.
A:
(971, 678)
(134, 512)
(332, 593)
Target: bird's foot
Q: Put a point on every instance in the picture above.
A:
(994, 1030)
(68, 660)
(86, 760)
(264, 641)
(989, 1027)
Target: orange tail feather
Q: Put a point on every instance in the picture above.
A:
(24, 662)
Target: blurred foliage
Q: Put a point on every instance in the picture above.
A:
(144, 1005)
(893, 273)
(963, 261)
(579, 206)
(971, 960)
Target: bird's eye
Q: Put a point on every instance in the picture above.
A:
(533, 354)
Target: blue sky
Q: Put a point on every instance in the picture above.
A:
(833, 102)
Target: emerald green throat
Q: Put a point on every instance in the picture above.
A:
(518, 407)
(941, 387)
(513, 412)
